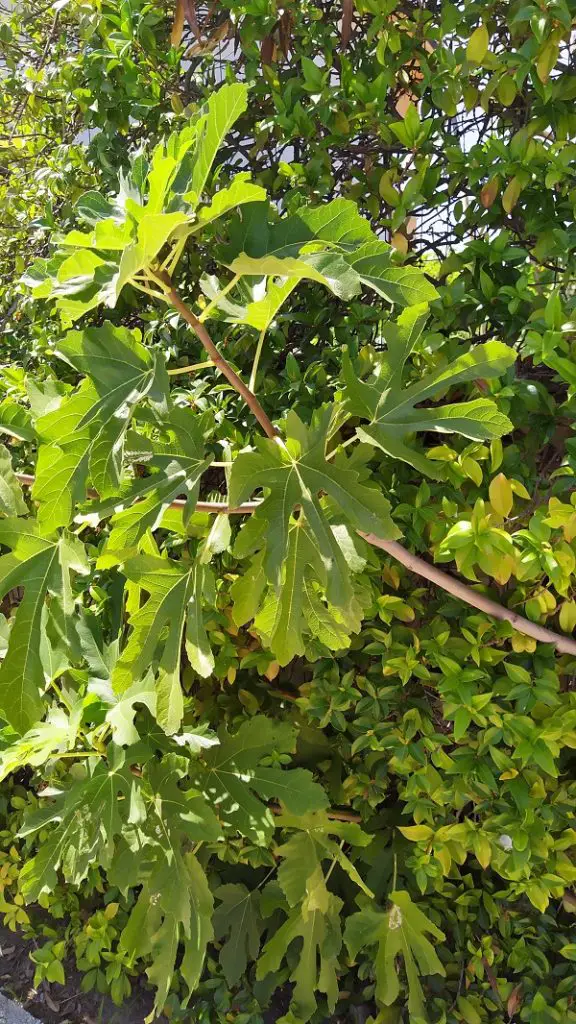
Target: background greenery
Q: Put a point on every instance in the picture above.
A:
(444, 735)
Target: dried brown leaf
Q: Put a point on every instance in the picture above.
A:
(192, 17)
(489, 192)
(54, 1006)
(178, 25)
(514, 1001)
(346, 29)
(285, 32)
(267, 50)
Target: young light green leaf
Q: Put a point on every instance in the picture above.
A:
(254, 302)
(16, 421)
(241, 190)
(328, 268)
(401, 930)
(223, 109)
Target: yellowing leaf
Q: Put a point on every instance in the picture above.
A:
(547, 60)
(507, 90)
(538, 896)
(416, 833)
(567, 617)
(569, 951)
(511, 194)
(478, 44)
(399, 241)
(501, 497)
(519, 489)
(472, 470)
(341, 123)
(483, 850)
(177, 24)
(468, 1011)
(386, 189)
(443, 855)
(521, 642)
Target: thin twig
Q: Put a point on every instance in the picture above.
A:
(331, 813)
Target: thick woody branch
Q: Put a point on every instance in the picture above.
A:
(563, 644)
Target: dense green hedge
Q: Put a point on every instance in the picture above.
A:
(345, 785)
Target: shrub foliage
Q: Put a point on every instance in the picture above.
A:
(283, 287)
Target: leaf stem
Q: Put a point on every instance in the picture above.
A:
(173, 256)
(237, 383)
(343, 444)
(189, 369)
(214, 302)
(257, 354)
(334, 863)
(81, 753)
(60, 695)
(147, 291)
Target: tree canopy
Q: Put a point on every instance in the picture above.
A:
(287, 324)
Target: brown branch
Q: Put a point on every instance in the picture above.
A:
(563, 644)
(201, 506)
(237, 383)
(332, 813)
(463, 592)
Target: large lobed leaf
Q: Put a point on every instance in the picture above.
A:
(400, 931)
(42, 567)
(232, 777)
(395, 412)
(84, 435)
(299, 546)
(173, 610)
